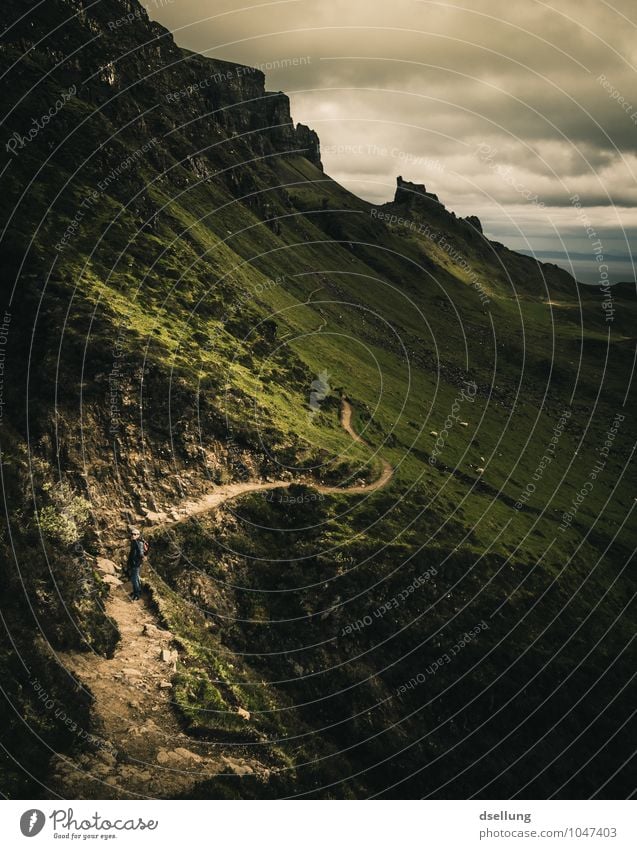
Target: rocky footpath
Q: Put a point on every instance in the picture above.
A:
(139, 748)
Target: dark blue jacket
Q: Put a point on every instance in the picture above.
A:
(136, 553)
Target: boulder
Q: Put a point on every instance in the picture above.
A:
(112, 581)
(106, 566)
(151, 630)
(163, 756)
(178, 756)
(154, 518)
(237, 766)
(169, 656)
(187, 755)
(149, 727)
(130, 672)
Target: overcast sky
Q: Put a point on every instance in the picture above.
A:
(496, 105)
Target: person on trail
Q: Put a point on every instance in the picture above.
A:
(136, 555)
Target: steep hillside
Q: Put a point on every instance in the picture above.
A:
(188, 297)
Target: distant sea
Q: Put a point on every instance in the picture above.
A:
(586, 270)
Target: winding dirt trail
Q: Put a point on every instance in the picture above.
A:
(140, 750)
(224, 493)
(387, 471)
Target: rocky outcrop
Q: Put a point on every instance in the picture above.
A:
(411, 194)
(310, 144)
(474, 223)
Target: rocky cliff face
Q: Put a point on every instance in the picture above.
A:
(128, 53)
(236, 97)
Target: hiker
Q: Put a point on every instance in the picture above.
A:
(136, 556)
